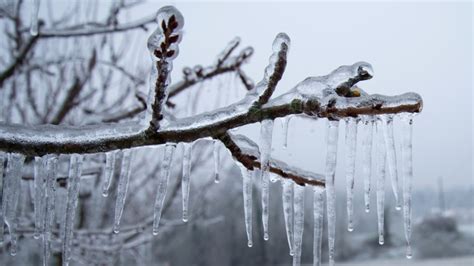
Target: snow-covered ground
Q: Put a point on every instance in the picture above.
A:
(460, 261)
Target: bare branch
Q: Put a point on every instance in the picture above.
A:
(10, 70)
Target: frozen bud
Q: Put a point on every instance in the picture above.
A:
(170, 17)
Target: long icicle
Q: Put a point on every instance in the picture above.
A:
(266, 133)
(247, 196)
(163, 179)
(12, 192)
(351, 145)
(50, 192)
(75, 172)
(186, 179)
(331, 161)
(3, 157)
(298, 223)
(108, 171)
(215, 153)
(287, 198)
(387, 128)
(122, 189)
(318, 216)
(367, 159)
(407, 166)
(39, 184)
(285, 124)
(381, 165)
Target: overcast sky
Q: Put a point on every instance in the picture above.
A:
(422, 47)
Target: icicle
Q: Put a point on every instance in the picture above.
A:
(216, 161)
(266, 133)
(285, 123)
(109, 172)
(287, 197)
(73, 184)
(34, 18)
(162, 185)
(387, 128)
(2, 198)
(10, 198)
(318, 214)
(351, 145)
(247, 195)
(381, 164)
(186, 179)
(407, 166)
(39, 183)
(331, 161)
(367, 159)
(298, 223)
(50, 189)
(122, 187)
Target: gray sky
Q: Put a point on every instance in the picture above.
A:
(423, 47)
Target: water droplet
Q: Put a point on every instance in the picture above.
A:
(35, 236)
(409, 253)
(292, 253)
(350, 228)
(250, 244)
(398, 207)
(266, 237)
(185, 219)
(105, 193)
(116, 230)
(381, 241)
(155, 232)
(367, 209)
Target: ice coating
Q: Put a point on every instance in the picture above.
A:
(338, 81)
(367, 158)
(11, 190)
(222, 56)
(318, 214)
(73, 185)
(163, 179)
(381, 161)
(387, 128)
(331, 161)
(287, 199)
(122, 188)
(266, 133)
(50, 198)
(34, 18)
(298, 223)
(108, 171)
(285, 123)
(215, 152)
(3, 157)
(186, 180)
(407, 172)
(247, 196)
(351, 145)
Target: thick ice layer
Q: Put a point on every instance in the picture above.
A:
(73, 185)
(50, 197)
(109, 171)
(298, 223)
(367, 158)
(351, 145)
(407, 171)
(318, 216)
(11, 195)
(34, 18)
(331, 160)
(266, 133)
(163, 179)
(186, 180)
(287, 198)
(122, 188)
(227, 51)
(247, 195)
(39, 185)
(215, 153)
(381, 160)
(387, 128)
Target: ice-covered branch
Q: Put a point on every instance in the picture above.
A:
(18, 61)
(46, 139)
(225, 63)
(247, 153)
